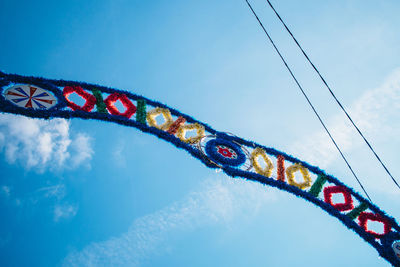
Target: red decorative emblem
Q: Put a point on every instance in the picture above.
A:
(348, 201)
(89, 98)
(364, 217)
(28, 96)
(114, 97)
(226, 152)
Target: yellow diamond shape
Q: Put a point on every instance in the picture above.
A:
(267, 171)
(200, 131)
(151, 118)
(306, 176)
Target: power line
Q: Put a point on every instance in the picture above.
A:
(333, 95)
(308, 100)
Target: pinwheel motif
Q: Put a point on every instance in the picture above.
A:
(28, 96)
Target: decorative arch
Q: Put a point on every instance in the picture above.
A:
(236, 156)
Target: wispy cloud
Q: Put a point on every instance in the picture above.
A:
(376, 112)
(5, 190)
(81, 150)
(64, 211)
(220, 201)
(42, 144)
(54, 194)
(8, 194)
(53, 191)
(118, 154)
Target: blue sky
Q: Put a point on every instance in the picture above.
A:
(76, 193)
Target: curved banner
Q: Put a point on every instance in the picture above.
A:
(237, 157)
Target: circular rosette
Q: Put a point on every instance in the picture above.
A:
(225, 152)
(30, 97)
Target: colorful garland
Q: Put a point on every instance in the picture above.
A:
(221, 151)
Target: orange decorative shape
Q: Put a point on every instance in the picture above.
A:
(176, 125)
(281, 168)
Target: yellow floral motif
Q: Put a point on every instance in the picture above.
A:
(304, 172)
(151, 118)
(200, 132)
(267, 171)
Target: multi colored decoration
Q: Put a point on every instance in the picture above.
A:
(28, 96)
(225, 152)
(237, 157)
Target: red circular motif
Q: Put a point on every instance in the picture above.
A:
(114, 97)
(90, 99)
(226, 152)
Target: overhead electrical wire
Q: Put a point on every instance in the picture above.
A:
(333, 95)
(308, 100)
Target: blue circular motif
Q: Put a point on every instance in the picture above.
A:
(225, 152)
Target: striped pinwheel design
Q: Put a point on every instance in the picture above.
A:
(28, 96)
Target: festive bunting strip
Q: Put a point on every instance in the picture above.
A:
(44, 98)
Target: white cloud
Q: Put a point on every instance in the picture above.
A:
(220, 202)
(64, 211)
(81, 150)
(42, 144)
(376, 113)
